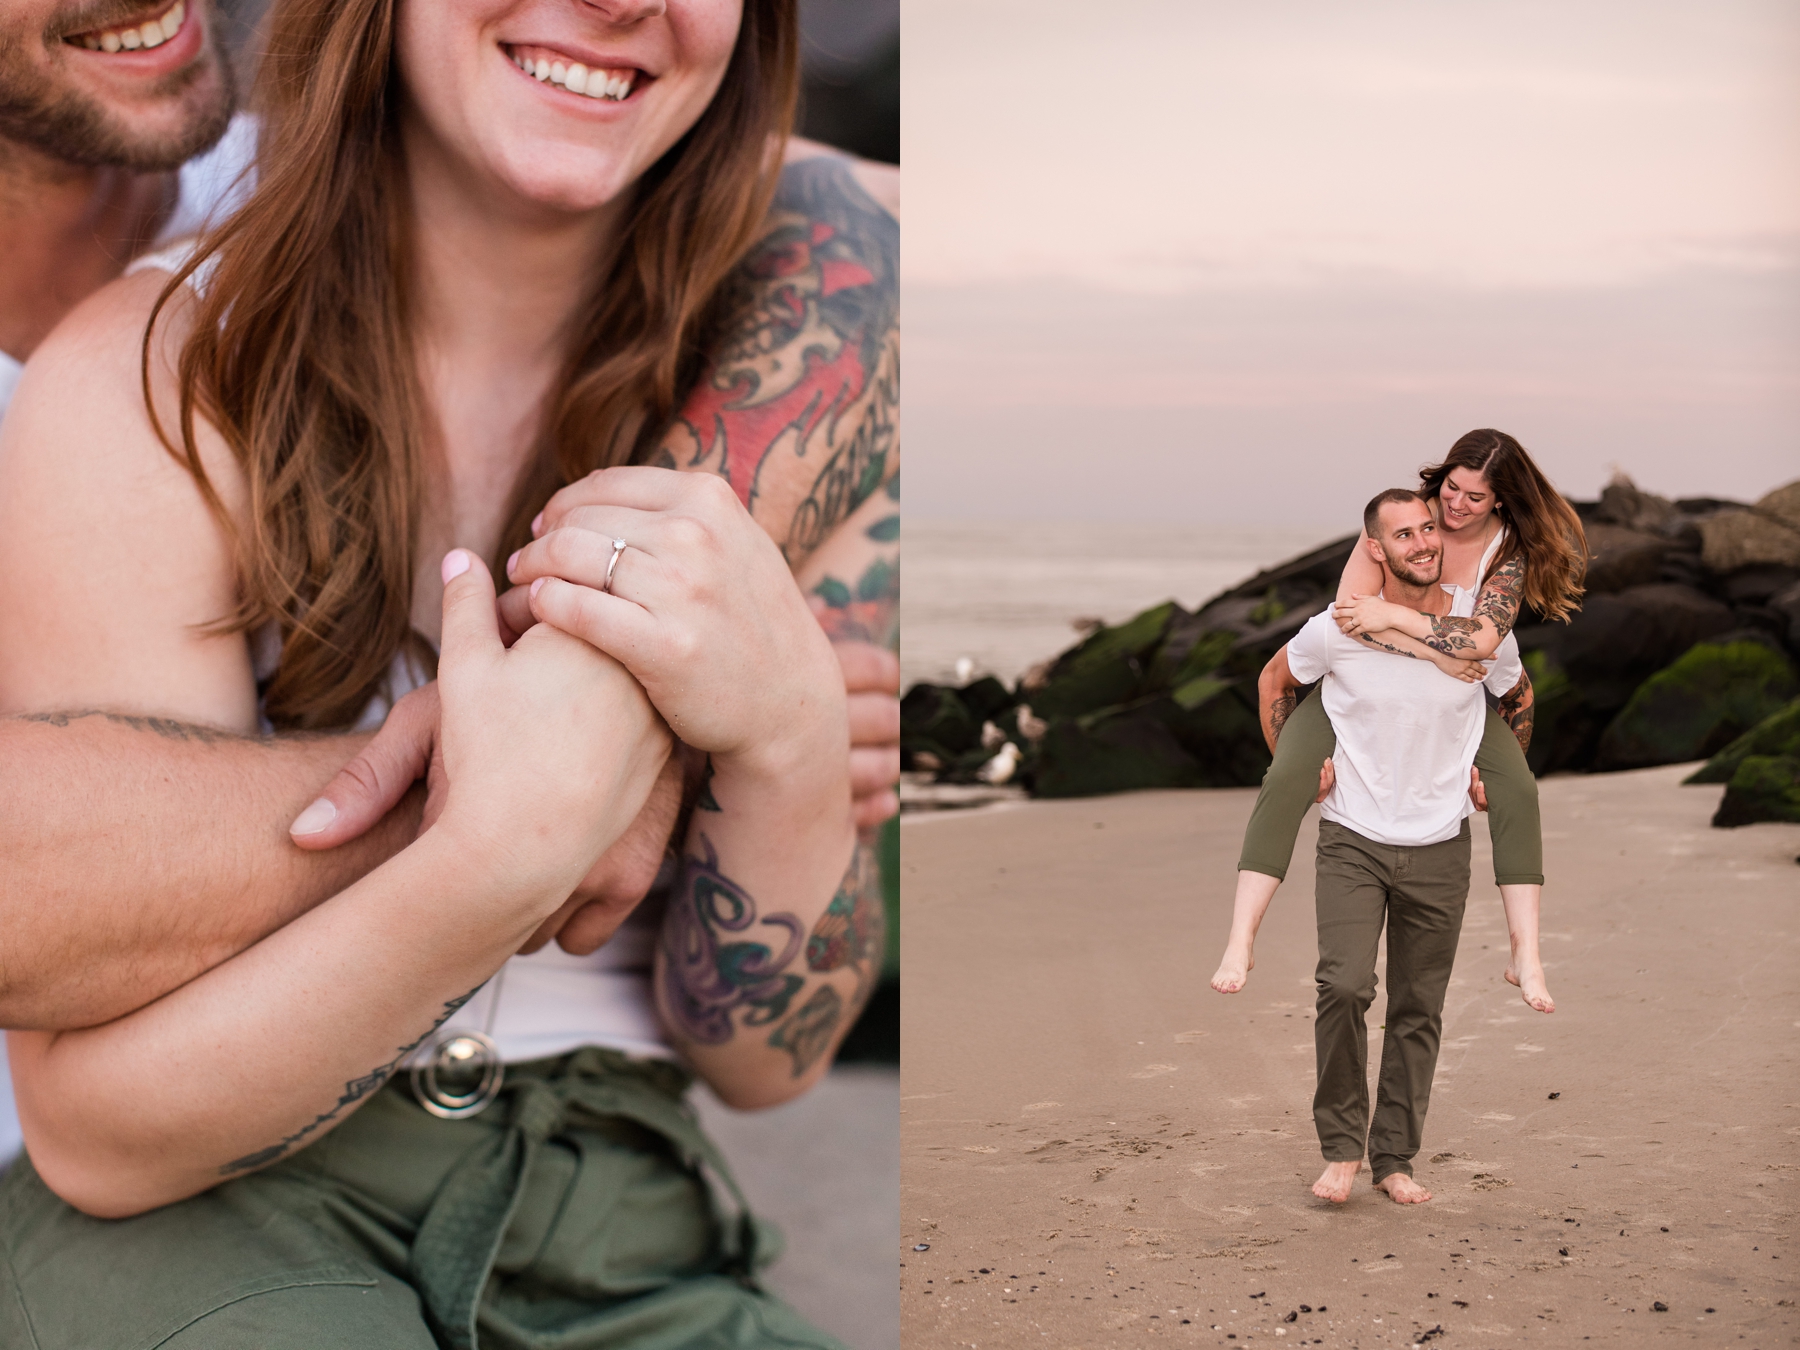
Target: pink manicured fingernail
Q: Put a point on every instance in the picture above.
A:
(456, 562)
(537, 523)
(536, 585)
(512, 563)
(315, 818)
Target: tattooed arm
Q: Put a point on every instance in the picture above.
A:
(758, 987)
(1277, 696)
(1474, 639)
(1518, 710)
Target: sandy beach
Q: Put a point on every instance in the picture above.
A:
(1096, 1149)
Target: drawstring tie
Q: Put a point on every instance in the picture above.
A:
(460, 1235)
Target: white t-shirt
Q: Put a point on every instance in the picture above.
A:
(1406, 732)
(210, 186)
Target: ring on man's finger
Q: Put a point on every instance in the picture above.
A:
(618, 547)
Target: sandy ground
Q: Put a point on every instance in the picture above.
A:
(1099, 1150)
(826, 1169)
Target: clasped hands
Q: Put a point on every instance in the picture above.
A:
(704, 615)
(1328, 780)
(1369, 614)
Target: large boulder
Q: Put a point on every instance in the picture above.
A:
(1623, 503)
(1708, 698)
(1109, 667)
(1777, 734)
(1616, 642)
(1765, 787)
(1785, 605)
(1204, 735)
(940, 726)
(1619, 557)
(1768, 532)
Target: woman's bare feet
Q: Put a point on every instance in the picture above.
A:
(1334, 1182)
(1402, 1189)
(1234, 969)
(1530, 981)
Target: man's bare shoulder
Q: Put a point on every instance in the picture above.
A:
(880, 181)
(798, 405)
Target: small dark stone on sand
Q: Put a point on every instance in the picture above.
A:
(1321, 1307)
(1709, 1310)
(921, 1246)
(1264, 1294)
(1562, 1251)
(1665, 1230)
(986, 1271)
(1555, 1095)
(1659, 1306)
(1388, 1257)
(1292, 1317)
(1304, 1308)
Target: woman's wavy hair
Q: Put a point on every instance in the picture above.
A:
(300, 356)
(1541, 525)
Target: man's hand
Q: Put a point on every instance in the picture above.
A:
(1469, 672)
(1327, 781)
(872, 680)
(1477, 793)
(1366, 614)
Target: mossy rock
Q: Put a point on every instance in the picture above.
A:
(1107, 669)
(1112, 752)
(1765, 787)
(1696, 707)
(1776, 735)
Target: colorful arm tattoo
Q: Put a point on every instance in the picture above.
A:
(798, 404)
(1518, 710)
(1498, 602)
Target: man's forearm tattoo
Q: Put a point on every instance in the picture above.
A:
(798, 406)
(1518, 709)
(1498, 602)
(1280, 709)
(354, 1091)
(1374, 641)
(809, 1033)
(166, 727)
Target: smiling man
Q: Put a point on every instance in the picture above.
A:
(106, 112)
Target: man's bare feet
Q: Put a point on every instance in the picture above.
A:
(1334, 1182)
(1530, 983)
(1234, 969)
(1402, 1189)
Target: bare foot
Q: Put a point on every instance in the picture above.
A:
(1402, 1189)
(1334, 1182)
(1234, 968)
(1531, 984)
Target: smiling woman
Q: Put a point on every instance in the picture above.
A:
(471, 313)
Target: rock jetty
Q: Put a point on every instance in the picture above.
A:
(1687, 645)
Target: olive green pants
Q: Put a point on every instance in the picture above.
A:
(583, 1209)
(1292, 783)
(1419, 894)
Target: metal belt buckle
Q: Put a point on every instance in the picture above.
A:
(458, 1074)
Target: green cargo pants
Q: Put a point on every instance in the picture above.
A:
(1419, 893)
(1292, 782)
(583, 1209)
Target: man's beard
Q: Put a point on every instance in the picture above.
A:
(77, 129)
(1402, 572)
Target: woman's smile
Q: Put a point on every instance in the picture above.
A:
(593, 78)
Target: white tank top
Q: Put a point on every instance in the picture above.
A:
(1463, 597)
(550, 1002)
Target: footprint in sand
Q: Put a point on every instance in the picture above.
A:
(1156, 1070)
(1242, 1102)
(1528, 1047)
(1040, 1106)
(1494, 1115)
(1188, 1037)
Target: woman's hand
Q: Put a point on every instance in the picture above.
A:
(1367, 614)
(549, 747)
(701, 609)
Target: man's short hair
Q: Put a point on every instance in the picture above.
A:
(1372, 512)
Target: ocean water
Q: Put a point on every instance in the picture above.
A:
(1007, 596)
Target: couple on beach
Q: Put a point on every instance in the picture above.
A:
(1399, 754)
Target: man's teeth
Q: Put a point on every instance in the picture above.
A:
(577, 78)
(150, 33)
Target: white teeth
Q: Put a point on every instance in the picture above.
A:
(152, 33)
(574, 76)
(542, 69)
(91, 43)
(131, 39)
(558, 72)
(109, 42)
(575, 81)
(171, 24)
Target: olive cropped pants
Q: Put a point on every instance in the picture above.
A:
(583, 1209)
(1292, 783)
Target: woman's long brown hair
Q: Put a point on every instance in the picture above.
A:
(1541, 526)
(300, 355)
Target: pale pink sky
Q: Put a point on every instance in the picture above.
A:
(1190, 259)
